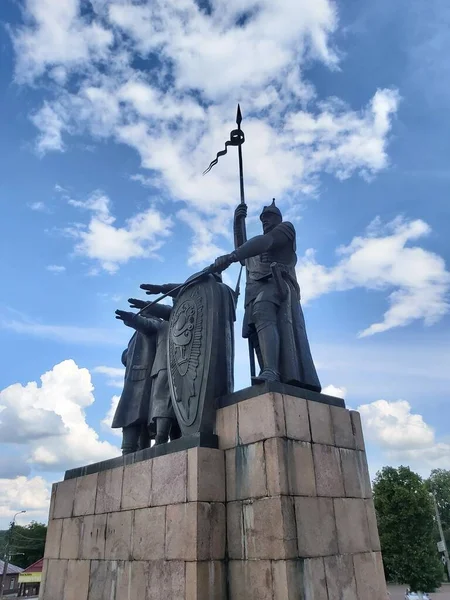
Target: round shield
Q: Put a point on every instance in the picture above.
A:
(199, 353)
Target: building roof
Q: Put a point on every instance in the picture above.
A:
(12, 569)
(36, 567)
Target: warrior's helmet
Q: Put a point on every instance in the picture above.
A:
(271, 209)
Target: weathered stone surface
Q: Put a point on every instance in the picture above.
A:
(320, 421)
(287, 580)
(342, 427)
(169, 479)
(370, 582)
(373, 526)
(55, 577)
(118, 535)
(65, 495)
(109, 580)
(276, 463)
(77, 580)
(211, 531)
(136, 485)
(341, 582)
(109, 491)
(52, 502)
(85, 494)
(356, 474)
(93, 533)
(149, 533)
(206, 475)
(157, 580)
(357, 430)
(352, 526)
(316, 527)
(327, 466)
(246, 472)
(314, 580)
(70, 537)
(206, 580)
(250, 580)
(262, 529)
(300, 468)
(44, 576)
(261, 418)
(227, 427)
(297, 419)
(53, 540)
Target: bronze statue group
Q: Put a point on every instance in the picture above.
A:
(171, 357)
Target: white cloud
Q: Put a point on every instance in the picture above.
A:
(55, 268)
(416, 279)
(111, 246)
(403, 436)
(114, 375)
(50, 122)
(108, 418)
(203, 250)
(22, 493)
(332, 390)
(38, 206)
(51, 419)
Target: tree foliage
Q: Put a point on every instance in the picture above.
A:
(406, 525)
(439, 484)
(27, 543)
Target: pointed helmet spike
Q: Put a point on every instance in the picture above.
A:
(271, 209)
(238, 115)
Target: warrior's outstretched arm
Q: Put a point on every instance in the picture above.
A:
(137, 322)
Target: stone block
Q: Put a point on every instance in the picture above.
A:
(357, 430)
(342, 427)
(206, 475)
(157, 580)
(250, 580)
(206, 580)
(300, 468)
(118, 535)
(110, 580)
(227, 427)
(373, 526)
(64, 497)
(195, 531)
(297, 418)
(246, 472)
(77, 580)
(316, 527)
(276, 466)
(369, 574)
(169, 479)
(85, 494)
(53, 540)
(314, 580)
(52, 501)
(320, 421)
(44, 573)
(70, 538)
(109, 491)
(149, 533)
(327, 466)
(355, 473)
(352, 526)
(261, 418)
(136, 485)
(55, 577)
(341, 582)
(287, 580)
(93, 533)
(262, 529)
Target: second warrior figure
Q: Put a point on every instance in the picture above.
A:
(273, 318)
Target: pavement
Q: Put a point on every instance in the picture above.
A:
(398, 592)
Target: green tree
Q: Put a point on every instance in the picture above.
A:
(406, 525)
(27, 543)
(439, 483)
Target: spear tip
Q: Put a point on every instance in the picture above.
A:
(238, 115)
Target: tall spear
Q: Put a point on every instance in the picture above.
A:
(237, 138)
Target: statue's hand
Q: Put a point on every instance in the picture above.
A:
(126, 317)
(151, 288)
(240, 212)
(223, 262)
(135, 303)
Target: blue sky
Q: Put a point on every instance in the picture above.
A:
(110, 111)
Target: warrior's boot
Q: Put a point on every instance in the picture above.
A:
(130, 439)
(163, 426)
(269, 345)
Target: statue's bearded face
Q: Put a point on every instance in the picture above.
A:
(269, 221)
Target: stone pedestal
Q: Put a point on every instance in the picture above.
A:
(281, 510)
